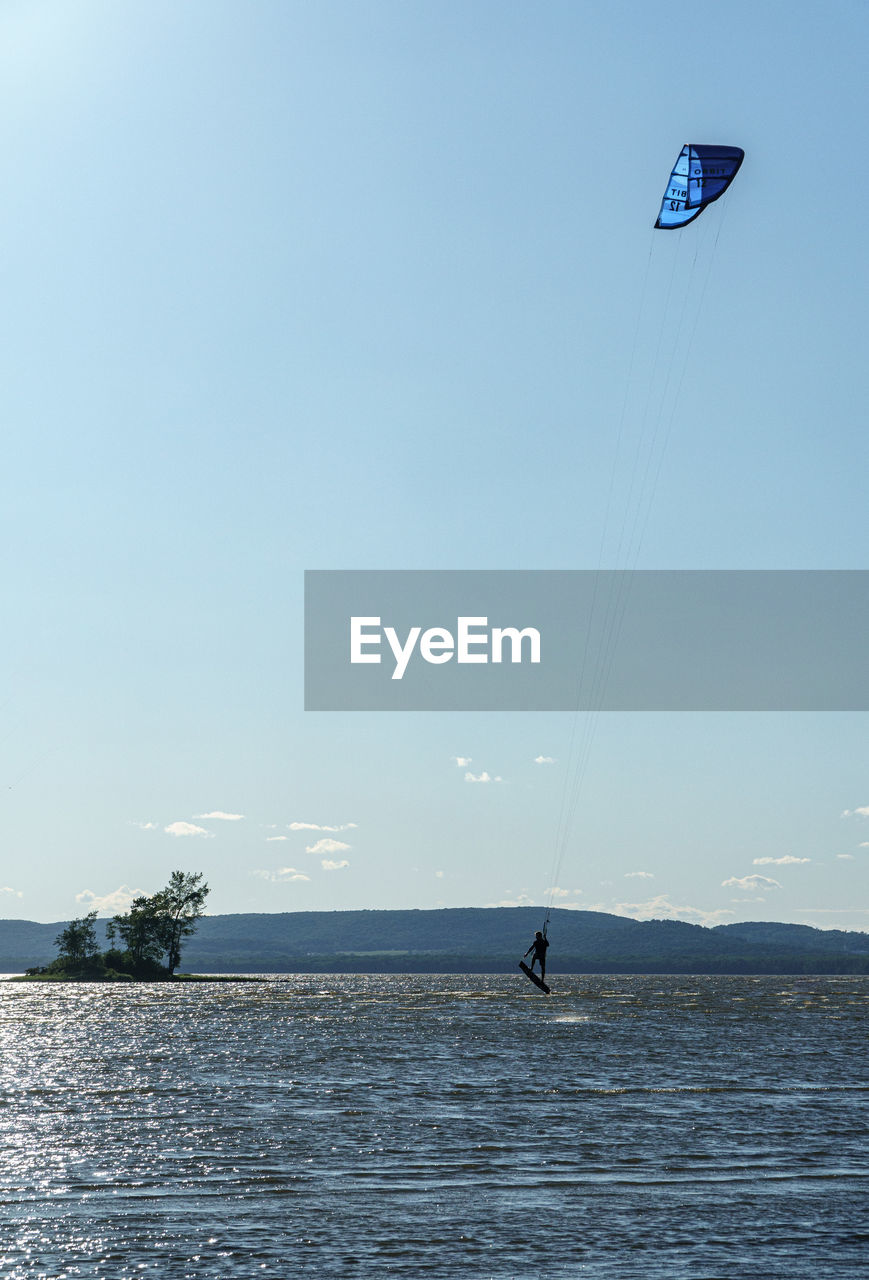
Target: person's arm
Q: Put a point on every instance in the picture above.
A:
(528, 952)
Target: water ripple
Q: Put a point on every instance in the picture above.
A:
(428, 1125)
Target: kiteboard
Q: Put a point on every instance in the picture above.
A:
(538, 982)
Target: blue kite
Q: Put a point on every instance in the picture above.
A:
(700, 175)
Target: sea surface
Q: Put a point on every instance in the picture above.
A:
(441, 1126)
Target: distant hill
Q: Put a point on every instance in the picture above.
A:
(478, 940)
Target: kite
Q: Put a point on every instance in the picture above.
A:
(700, 175)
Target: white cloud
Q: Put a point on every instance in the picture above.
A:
(462, 761)
(270, 839)
(439, 875)
(482, 777)
(16, 893)
(328, 865)
(544, 760)
(556, 892)
(327, 846)
(864, 844)
(520, 900)
(282, 875)
(113, 904)
(185, 829)
(145, 826)
(638, 875)
(661, 908)
(314, 826)
(221, 816)
(750, 882)
(846, 857)
(787, 861)
(863, 812)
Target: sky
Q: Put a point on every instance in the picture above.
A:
(374, 286)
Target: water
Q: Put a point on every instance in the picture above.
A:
(649, 1127)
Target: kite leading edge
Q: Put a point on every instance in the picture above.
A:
(700, 175)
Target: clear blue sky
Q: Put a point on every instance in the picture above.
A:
(355, 285)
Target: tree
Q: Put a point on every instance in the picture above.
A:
(152, 928)
(180, 905)
(78, 941)
(142, 930)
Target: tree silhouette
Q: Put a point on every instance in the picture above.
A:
(141, 930)
(77, 943)
(178, 907)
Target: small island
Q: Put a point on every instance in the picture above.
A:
(145, 942)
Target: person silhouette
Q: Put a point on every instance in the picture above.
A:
(538, 946)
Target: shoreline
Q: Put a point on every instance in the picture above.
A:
(126, 980)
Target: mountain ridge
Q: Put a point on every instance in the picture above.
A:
(478, 939)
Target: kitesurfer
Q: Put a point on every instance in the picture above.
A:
(538, 946)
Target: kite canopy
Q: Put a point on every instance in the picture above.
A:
(700, 175)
